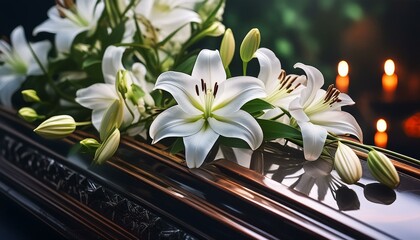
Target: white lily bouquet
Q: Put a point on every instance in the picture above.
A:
(131, 67)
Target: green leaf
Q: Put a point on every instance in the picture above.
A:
(116, 35)
(256, 105)
(233, 142)
(213, 14)
(177, 146)
(169, 37)
(135, 93)
(273, 130)
(187, 65)
(157, 96)
(134, 45)
(90, 62)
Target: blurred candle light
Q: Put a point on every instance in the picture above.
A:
(389, 80)
(381, 137)
(342, 81)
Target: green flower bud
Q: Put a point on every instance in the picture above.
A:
(227, 48)
(30, 95)
(90, 143)
(347, 164)
(250, 44)
(382, 169)
(122, 79)
(216, 29)
(112, 119)
(135, 94)
(108, 147)
(29, 114)
(56, 127)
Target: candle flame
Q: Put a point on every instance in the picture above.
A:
(389, 67)
(343, 68)
(381, 125)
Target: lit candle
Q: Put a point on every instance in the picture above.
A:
(381, 137)
(389, 79)
(342, 80)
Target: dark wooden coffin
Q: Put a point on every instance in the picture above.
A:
(145, 193)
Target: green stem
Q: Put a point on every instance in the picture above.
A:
(78, 124)
(244, 67)
(49, 79)
(401, 156)
(129, 109)
(389, 152)
(228, 73)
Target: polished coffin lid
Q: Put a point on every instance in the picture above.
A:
(274, 194)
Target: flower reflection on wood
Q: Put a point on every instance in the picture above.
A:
(316, 179)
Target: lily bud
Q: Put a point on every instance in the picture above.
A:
(108, 147)
(227, 48)
(56, 127)
(122, 78)
(90, 143)
(112, 119)
(347, 164)
(250, 44)
(29, 114)
(135, 93)
(382, 169)
(30, 95)
(215, 30)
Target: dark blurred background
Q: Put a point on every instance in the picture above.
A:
(321, 33)
(363, 33)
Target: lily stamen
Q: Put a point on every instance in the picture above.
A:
(331, 96)
(66, 4)
(197, 91)
(203, 85)
(286, 81)
(216, 87)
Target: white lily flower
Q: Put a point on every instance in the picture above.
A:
(318, 112)
(167, 16)
(100, 96)
(280, 89)
(68, 21)
(208, 106)
(19, 62)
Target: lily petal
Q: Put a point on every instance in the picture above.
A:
(345, 101)
(64, 39)
(209, 67)
(175, 19)
(314, 83)
(198, 146)
(180, 86)
(97, 96)
(97, 116)
(8, 86)
(314, 137)
(88, 9)
(297, 111)
(338, 122)
(144, 8)
(235, 92)
(240, 125)
(20, 45)
(41, 50)
(174, 122)
(270, 68)
(111, 63)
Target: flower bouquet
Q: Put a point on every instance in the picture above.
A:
(133, 68)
